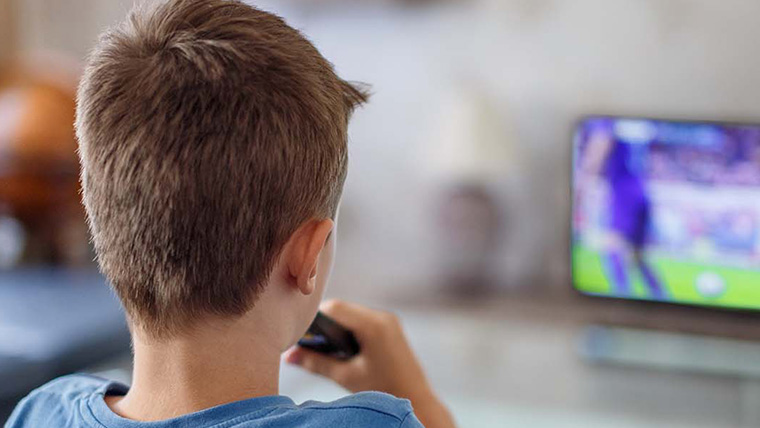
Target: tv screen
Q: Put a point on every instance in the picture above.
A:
(667, 211)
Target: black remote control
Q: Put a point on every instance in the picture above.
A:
(328, 337)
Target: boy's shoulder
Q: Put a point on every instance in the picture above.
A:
(369, 405)
(66, 401)
(73, 386)
(56, 400)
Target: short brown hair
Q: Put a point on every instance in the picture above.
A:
(208, 132)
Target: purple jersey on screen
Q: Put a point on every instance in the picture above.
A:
(630, 208)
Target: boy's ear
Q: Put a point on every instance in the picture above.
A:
(304, 249)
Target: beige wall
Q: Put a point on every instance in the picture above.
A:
(7, 28)
(68, 27)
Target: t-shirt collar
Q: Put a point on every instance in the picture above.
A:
(97, 409)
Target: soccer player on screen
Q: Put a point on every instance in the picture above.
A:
(618, 162)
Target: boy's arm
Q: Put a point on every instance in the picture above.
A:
(386, 362)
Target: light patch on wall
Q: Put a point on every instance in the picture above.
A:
(672, 16)
(527, 12)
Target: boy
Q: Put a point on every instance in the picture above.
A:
(212, 138)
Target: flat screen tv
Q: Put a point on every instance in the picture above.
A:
(667, 211)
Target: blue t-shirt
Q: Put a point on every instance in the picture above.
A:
(77, 401)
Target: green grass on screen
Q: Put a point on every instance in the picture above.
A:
(678, 277)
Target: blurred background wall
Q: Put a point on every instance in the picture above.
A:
(481, 92)
(7, 29)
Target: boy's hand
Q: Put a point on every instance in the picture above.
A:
(386, 362)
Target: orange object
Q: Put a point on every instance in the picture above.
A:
(38, 163)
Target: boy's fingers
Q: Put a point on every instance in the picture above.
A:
(317, 363)
(293, 356)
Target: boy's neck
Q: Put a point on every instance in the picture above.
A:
(211, 366)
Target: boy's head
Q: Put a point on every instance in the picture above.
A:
(210, 134)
